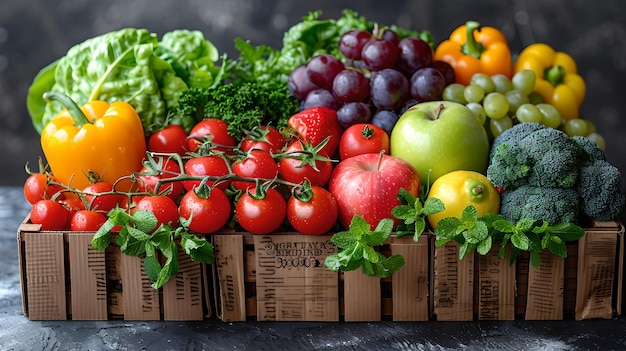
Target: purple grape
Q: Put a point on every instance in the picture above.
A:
(413, 54)
(351, 43)
(390, 35)
(353, 113)
(389, 89)
(299, 83)
(445, 69)
(322, 70)
(427, 84)
(379, 54)
(385, 119)
(350, 85)
(320, 97)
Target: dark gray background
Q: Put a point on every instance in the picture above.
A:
(33, 33)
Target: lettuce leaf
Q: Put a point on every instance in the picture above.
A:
(131, 65)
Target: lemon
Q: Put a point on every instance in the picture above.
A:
(459, 189)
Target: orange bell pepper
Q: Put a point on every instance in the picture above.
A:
(107, 139)
(474, 49)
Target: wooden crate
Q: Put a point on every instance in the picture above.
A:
(64, 277)
(281, 277)
(587, 284)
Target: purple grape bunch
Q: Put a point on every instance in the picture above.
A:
(378, 78)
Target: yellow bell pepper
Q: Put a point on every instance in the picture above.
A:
(557, 78)
(107, 139)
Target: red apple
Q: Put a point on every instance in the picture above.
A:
(368, 185)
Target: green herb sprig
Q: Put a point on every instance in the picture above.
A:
(357, 249)
(139, 236)
(477, 233)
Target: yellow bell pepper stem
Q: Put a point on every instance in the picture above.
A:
(102, 138)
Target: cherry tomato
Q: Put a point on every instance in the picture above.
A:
(292, 170)
(170, 169)
(213, 165)
(37, 187)
(261, 216)
(363, 138)
(214, 129)
(313, 216)
(73, 204)
(164, 209)
(268, 139)
(171, 139)
(87, 221)
(50, 214)
(102, 203)
(208, 214)
(258, 164)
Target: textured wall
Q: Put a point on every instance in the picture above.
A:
(35, 32)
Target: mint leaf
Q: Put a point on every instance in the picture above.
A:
(144, 221)
(102, 238)
(357, 249)
(151, 264)
(484, 246)
(170, 268)
(432, 205)
(199, 249)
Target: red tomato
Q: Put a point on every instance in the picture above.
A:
(292, 170)
(363, 138)
(258, 164)
(170, 169)
(261, 216)
(314, 216)
(213, 165)
(171, 139)
(37, 187)
(87, 221)
(266, 138)
(165, 209)
(50, 214)
(102, 203)
(213, 129)
(208, 214)
(73, 204)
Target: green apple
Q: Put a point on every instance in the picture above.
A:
(438, 137)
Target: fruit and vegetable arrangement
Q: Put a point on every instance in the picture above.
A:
(353, 129)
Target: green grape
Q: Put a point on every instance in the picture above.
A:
(528, 113)
(498, 126)
(473, 93)
(484, 81)
(551, 116)
(502, 83)
(598, 139)
(575, 126)
(496, 105)
(516, 99)
(591, 127)
(478, 110)
(524, 80)
(454, 92)
(535, 99)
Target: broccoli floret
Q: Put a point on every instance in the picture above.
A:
(515, 134)
(600, 192)
(554, 205)
(590, 151)
(530, 153)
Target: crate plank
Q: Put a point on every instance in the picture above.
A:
(88, 276)
(546, 285)
(45, 276)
